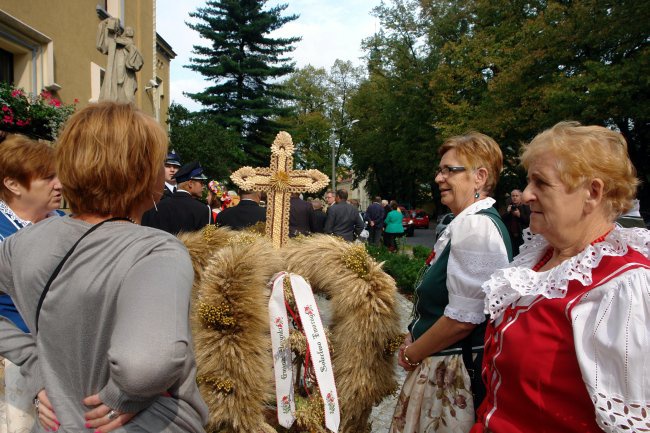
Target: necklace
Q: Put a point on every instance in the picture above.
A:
(549, 252)
(95, 220)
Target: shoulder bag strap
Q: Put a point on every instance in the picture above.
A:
(62, 262)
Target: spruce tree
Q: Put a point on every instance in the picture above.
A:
(245, 66)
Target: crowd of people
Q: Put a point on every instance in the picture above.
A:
(181, 208)
(536, 320)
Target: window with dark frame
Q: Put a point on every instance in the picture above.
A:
(6, 66)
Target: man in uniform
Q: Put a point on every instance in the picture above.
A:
(182, 212)
(302, 220)
(172, 164)
(248, 212)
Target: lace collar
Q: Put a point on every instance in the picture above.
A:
(478, 206)
(507, 285)
(11, 215)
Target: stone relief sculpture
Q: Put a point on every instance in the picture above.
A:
(124, 60)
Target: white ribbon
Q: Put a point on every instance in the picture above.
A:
(318, 348)
(282, 358)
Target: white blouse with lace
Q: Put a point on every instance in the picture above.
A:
(477, 250)
(611, 323)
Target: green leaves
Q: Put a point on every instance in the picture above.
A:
(244, 63)
(507, 69)
(196, 136)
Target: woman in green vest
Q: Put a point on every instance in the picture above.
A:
(443, 349)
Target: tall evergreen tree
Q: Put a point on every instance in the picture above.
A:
(244, 64)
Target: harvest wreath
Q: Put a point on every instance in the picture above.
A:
(232, 338)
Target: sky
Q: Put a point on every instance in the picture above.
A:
(330, 30)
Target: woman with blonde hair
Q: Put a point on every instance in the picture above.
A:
(106, 300)
(443, 349)
(29, 193)
(567, 344)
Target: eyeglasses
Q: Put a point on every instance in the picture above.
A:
(446, 169)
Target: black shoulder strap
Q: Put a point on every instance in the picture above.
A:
(65, 259)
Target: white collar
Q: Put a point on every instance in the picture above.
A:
(9, 213)
(170, 186)
(507, 285)
(472, 209)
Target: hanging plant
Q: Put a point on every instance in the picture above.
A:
(38, 116)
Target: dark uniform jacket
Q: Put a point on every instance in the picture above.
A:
(301, 217)
(167, 193)
(179, 213)
(247, 213)
(343, 220)
(319, 221)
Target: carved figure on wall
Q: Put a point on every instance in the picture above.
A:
(124, 60)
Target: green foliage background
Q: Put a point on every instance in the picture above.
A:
(435, 68)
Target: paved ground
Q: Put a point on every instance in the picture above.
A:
(422, 237)
(382, 413)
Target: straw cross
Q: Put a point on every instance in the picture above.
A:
(279, 180)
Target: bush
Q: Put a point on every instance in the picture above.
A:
(420, 252)
(401, 267)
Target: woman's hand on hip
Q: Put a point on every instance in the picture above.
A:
(102, 418)
(45, 411)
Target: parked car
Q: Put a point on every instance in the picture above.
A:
(407, 221)
(413, 219)
(420, 219)
(443, 222)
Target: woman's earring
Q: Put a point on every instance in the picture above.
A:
(477, 195)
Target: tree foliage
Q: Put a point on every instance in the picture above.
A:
(320, 114)
(198, 137)
(393, 147)
(509, 69)
(244, 65)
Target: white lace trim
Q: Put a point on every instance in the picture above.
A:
(464, 316)
(613, 414)
(508, 284)
(480, 205)
(5, 209)
(482, 263)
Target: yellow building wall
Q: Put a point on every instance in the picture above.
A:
(72, 26)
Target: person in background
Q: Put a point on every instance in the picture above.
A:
(343, 219)
(319, 216)
(172, 164)
(516, 218)
(354, 202)
(110, 345)
(632, 218)
(246, 213)
(29, 193)
(215, 193)
(386, 205)
(330, 199)
(394, 227)
(302, 220)
(566, 348)
(375, 219)
(183, 212)
(443, 349)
